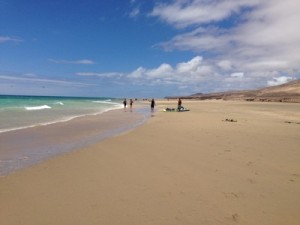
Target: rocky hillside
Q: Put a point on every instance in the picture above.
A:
(289, 92)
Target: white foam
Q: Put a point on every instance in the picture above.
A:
(107, 102)
(38, 107)
(119, 106)
(59, 103)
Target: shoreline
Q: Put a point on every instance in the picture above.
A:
(26, 147)
(61, 120)
(177, 168)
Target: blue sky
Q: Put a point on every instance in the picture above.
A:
(144, 48)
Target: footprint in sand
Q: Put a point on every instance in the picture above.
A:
(251, 181)
(249, 163)
(235, 217)
(230, 120)
(292, 122)
(295, 176)
(231, 195)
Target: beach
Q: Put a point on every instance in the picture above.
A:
(22, 148)
(222, 162)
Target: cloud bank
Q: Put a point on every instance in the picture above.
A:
(259, 39)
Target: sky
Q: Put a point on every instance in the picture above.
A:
(146, 48)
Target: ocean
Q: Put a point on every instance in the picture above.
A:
(19, 112)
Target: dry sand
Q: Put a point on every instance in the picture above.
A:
(186, 168)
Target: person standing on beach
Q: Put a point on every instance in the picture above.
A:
(152, 105)
(125, 103)
(131, 103)
(179, 104)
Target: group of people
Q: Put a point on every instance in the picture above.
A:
(125, 104)
(152, 105)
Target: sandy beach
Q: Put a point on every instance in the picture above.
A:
(220, 163)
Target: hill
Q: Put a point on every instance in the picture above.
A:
(288, 92)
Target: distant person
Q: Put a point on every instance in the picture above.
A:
(131, 103)
(179, 104)
(152, 105)
(125, 103)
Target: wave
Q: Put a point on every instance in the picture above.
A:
(107, 102)
(61, 120)
(38, 107)
(59, 103)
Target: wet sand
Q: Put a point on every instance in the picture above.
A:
(26, 147)
(220, 163)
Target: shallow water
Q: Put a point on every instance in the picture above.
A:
(25, 147)
(19, 112)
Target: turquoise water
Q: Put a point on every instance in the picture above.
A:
(26, 147)
(19, 112)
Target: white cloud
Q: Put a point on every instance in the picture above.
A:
(186, 67)
(225, 65)
(4, 39)
(40, 80)
(134, 13)
(183, 13)
(110, 74)
(34, 85)
(267, 65)
(164, 70)
(199, 40)
(237, 75)
(279, 80)
(81, 61)
(183, 73)
(138, 73)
